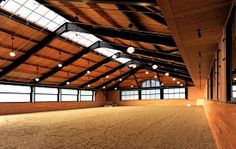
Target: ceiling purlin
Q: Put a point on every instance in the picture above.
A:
(104, 75)
(132, 71)
(69, 61)
(81, 74)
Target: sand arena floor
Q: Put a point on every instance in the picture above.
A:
(165, 127)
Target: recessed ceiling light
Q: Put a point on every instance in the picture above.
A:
(12, 54)
(146, 72)
(88, 85)
(173, 79)
(115, 88)
(178, 82)
(162, 84)
(181, 84)
(120, 79)
(88, 72)
(59, 65)
(36, 79)
(167, 74)
(235, 79)
(132, 86)
(67, 83)
(155, 77)
(154, 66)
(107, 76)
(104, 87)
(130, 50)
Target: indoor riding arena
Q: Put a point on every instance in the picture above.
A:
(103, 74)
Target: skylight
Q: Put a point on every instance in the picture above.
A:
(46, 18)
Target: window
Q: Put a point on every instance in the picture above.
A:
(44, 94)
(174, 93)
(14, 93)
(151, 83)
(150, 94)
(85, 95)
(69, 95)
(129, 95)
(234, 91)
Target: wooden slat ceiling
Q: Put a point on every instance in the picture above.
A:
(184, 18)
(46, 59)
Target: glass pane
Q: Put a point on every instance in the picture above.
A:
(14, 97)
(182, 96)
(14, 89)
(234, 88)
(40, 98)
(24, 12)
(86, 98)
(42, 10)
(171, 96)
(31, 4)
(83, 92)
(12, 6)
(69, 91)
(46, 90)
(68, 98)
(34, 17)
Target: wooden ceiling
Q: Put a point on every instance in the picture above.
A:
(189, 18)
(145, 19)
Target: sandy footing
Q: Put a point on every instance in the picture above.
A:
(162, 127)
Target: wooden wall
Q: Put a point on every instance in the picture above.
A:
(17, 108)
(222, 121)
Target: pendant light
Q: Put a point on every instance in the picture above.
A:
(154, 66)
(37, 73)
(68, 83)
(130, 49)
(88, 72)
(60, 64)
(12, 53)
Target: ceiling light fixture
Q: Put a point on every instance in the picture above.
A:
(235, 79)
(132, 86)
(178, 82)
(154, 66)
(104, 87)
(107, 76)
(167, 74)
(88, 72)
(67, 83)
(120, 79)
(162, 84)
(146, 72)
(88, 85)
(37, 73)
(181, 84)
(155, 77)
(173, 79)
(12, 53)
(130, 49)
(59, 65)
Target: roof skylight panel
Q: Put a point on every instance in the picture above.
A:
(10, 5)
(43, 16)
(35, 12)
